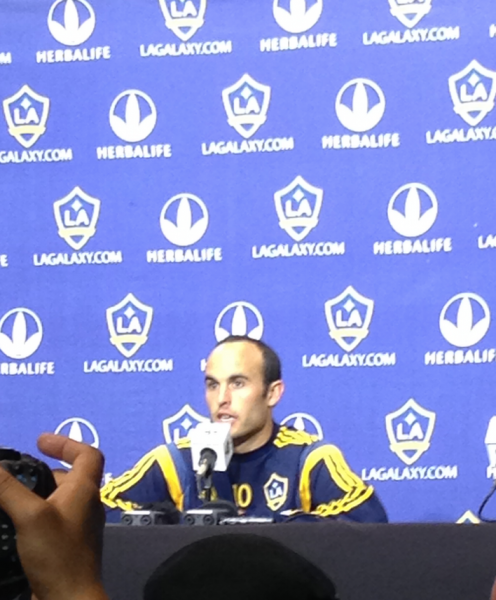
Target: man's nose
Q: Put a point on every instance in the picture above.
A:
(224, 396)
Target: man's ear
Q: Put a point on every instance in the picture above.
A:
(275, 392)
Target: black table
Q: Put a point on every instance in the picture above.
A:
(366, 562)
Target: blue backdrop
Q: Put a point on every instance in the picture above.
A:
(319, 173)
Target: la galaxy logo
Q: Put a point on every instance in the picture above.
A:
(181, 423)
(246, 104)
(79, 430)
(132, 116)
(239, 318)
(465, 319)
(71, 22)
(304, 422)
(76, 216)
(184, 219)
(410, 12)
(410, 430)
(490, 441)
(348, 317)
(360, 105)
(184, 17)
(473, 91)
(297, 16)
(129, 323)
(276, 491)
(26, 113)
(412, 209)
(298, 206)
(21, 333)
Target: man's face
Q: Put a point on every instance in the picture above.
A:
(236, 393)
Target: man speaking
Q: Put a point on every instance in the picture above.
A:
(275, 471)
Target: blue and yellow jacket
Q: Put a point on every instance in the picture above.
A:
(292, 476)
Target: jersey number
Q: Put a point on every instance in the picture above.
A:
(243, 495)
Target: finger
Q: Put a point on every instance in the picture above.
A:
(59, 475)
(85, 460)
(15, 499)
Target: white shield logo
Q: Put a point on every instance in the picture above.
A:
(246, 104)
(464, 320)
(184, 219)
(299, 16)
(412, 209)
(304, 422)
(184, 17)
(348, 317)
(21, 333)
(71, 22)
(490, 442)
(79, 430)
(276, 491)
(180, 424)
(26, 113)
(76, 216)
(360, 105)
(410, 12)
(239, 318)
(409, 430)
(129, 323)
(298, 206)
(473, 91)
(132, 116)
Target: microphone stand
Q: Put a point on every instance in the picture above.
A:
(204, 485)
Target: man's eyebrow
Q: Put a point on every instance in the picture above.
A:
(210, 378)
(237, 376)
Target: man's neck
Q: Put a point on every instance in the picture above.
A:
(254, 442)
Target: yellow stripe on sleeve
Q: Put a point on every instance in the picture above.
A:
(355, 490)
(168, 467)
(123, 483)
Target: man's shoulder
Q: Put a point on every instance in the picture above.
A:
(287, 437)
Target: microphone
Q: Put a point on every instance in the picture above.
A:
(211, 448)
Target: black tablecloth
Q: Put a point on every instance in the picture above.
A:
(366, 562)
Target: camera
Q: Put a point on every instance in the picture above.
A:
(38, 478)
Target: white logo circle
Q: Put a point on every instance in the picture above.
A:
(409, 220)
(465, 332)
(239, 318)
(361, 116)
(21, 344)
(79, 430)
(181, 230)
(74, 30)
(131, 127)
(304, 422)
(298, 18)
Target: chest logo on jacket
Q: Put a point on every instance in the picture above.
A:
(276, 491)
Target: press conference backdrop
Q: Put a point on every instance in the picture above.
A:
(316, 173)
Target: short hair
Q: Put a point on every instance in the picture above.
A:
(272, 370)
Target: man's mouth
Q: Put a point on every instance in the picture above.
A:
(225, 418)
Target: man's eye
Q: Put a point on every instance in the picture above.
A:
(239, 383)
(211, 385)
